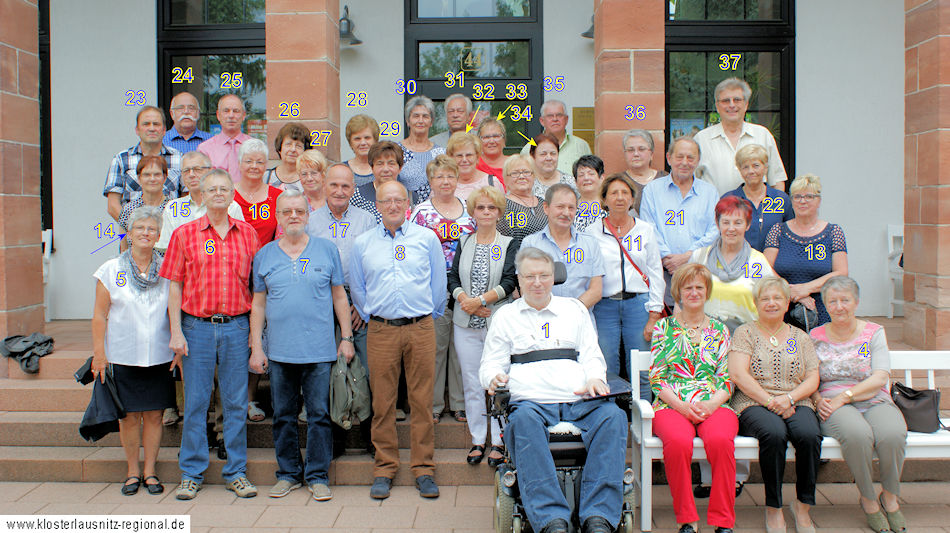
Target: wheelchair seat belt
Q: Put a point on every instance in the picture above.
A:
(544, 355)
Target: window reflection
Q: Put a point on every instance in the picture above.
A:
(197, 12)
(725, 9)
(504, 59)
(473, 8)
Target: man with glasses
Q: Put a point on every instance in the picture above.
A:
(294, 297)
(458, 113)
(185, 135)
(720, 142)
(223, 147)
(398, 285)
(554, 119)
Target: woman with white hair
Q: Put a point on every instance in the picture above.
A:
(257, 199)
(417, 149)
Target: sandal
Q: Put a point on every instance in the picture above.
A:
(459, 416)
(475, 459)
(154, 488)
(495, 461)
(877, 521)
(254, 412)
(436, 417)
(128, 489)
(896, 519)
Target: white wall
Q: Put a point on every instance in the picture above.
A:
(849, 60)
(568, 54)
(98, 50)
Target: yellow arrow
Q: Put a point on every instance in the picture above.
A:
(502, 114)
(530, 141)
(469, 126)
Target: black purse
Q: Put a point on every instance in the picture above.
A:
(919, 407)
(802, 317)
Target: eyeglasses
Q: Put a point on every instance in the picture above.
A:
(194, 169)
(185, 107)
(734, 100)
(310, 173)
(391, 201)
(145, 229)
(537, 277)
(520, 173)
(492, 136)
(290, 211)
(805, 197)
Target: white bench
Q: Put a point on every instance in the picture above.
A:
(648, 448)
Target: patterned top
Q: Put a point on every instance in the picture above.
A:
(480, 280)
(587, 214)
(777, 369)
(693, 371)
(413, 174)
(539, 189)
(123, 179)
(520, 221)
(271, 178)
(844, 365)
(446, 229)
(360, 179)
(804, 259)
(732, 301)
(129, 207)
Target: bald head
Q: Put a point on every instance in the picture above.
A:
(231, 114)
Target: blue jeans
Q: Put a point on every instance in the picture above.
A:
(627, 318)
(604, 430)
(224, 345)
(286, 380)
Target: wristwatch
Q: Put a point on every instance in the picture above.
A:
(482, 300)
(850, 395)
(349, 339)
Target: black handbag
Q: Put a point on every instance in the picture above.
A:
(919, 407)
(802, 317)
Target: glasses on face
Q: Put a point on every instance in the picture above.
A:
(291, 211)
(310, 173)
(805, 197)
(255, 163)
(194, 169)
(185, 108)
(537, 277)
(733, 100)
(521, 173)
(493, 136)
(391, 201)
(145, 229)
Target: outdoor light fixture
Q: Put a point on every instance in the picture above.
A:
(589, 33)
(346, 29)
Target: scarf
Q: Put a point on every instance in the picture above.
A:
(139, 282)
(718, 266)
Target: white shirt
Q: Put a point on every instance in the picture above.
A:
(518, 328)
(641, 242)
(717, 161)
(182, 210)
(137, 330)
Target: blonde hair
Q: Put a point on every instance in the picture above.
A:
(442, 161)
(361, 122)
(752, 152)
(686, 273)
(313, 159)
(460, 139)
(805, 181)
(519, 158)
(492, 193)
(771, 282)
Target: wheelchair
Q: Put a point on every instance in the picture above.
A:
(567, 449)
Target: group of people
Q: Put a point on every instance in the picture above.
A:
(434, 258)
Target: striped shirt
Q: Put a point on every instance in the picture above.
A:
(123, 179)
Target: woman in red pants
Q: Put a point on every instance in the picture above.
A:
(690, 381)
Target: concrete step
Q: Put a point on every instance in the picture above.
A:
(61, 364)
(68, 463)
(38, 428)
(43, 395)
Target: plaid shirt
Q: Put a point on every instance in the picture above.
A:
(214, 272)
(175, 140)
(123, 179)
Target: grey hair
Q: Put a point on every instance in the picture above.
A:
(422, 100)
(216, 173)
(468, 101)
(841, 283)
(683, 139)
(733, 83)
(771, 282)
(532, 253)
(252, 146)
(146, 211)
(195, 154)
(288, 194)
(643, 134)
(558, 187)
(549, 103)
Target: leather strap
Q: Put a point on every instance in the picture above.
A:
(544, 355)
(613, 231)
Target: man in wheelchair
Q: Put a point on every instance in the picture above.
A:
(544, 350)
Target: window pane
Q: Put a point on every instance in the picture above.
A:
(473, 8)
(693, 80)
(725, 9)
(195, 12)
(477, 59)
(217, 75)
(513, 141)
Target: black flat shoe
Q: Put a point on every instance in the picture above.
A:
(493, 462)
(688, 528)
(596, 524)
(723, 530)
(128, 489)
(701, 491)
(154, 488)
(475, 459)
(739, 487)
(558, 525)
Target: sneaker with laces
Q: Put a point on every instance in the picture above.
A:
(187, 489)
(283, 488)
(320, 492)
(242, 487)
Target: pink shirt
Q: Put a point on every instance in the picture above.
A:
(223, 151)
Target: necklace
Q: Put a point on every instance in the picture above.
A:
(692, 332)
(772, 340)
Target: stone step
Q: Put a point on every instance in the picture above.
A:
(43, 395)
(61, 364)
(37, 428)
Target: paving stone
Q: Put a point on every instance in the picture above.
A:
(229, 516)
(302, 516)
(11, 491)
(432, 517)
(409, 496)
(375, 517)
(64, 492)
(78, 508)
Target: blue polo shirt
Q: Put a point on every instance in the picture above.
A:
(774, 208)
(299, 301)
(178, 142)
(582, 259)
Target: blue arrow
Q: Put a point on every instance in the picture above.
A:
(108, 243)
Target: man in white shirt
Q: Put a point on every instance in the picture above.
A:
(718, 143)
(544, 348)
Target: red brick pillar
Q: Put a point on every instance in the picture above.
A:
(927, 174)
(629, 41)
(21, 262)
(303, 66)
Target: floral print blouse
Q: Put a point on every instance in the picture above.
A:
(693, 370)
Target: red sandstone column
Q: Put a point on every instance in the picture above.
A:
(21, 267)
(927, 174)
(629, 41)
(303, 66)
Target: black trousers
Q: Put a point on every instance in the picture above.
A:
(774, 434)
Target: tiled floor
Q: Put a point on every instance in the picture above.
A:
(462, 509)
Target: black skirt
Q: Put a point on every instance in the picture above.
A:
(144, 388)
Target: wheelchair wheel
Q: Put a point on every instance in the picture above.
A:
(504, 510)
(627, 522)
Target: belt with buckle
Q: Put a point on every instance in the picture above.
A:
(220, 318)
(398, 321)
(624, 295)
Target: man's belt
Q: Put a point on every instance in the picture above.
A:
(219, 318)
(624, 295)
(398, 321)
(544, 355)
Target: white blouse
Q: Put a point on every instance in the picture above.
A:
(137, 329)
(641, 243)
